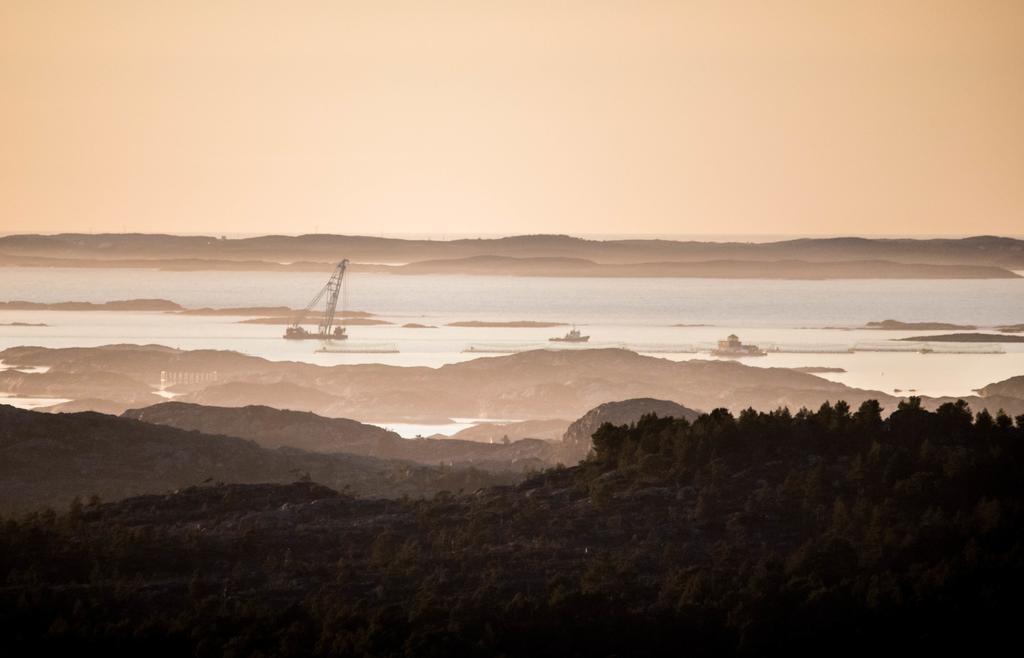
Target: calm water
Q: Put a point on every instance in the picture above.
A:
(633, 313)
(747, 303)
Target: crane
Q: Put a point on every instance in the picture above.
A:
(329, 295)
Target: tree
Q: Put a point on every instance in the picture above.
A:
(983, 423)
(868, 418)
(609, 441)
(954, 421)
(75, 511)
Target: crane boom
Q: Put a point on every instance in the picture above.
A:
(333, 288)
(329, 295)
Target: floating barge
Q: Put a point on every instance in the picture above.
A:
(358, 348)
(732, 348)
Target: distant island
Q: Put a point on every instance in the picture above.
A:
(896, 325)
(272, 314)
(239, 310)
(718, 269)
(165, 264)
(265, 311)
(513, 324)
(967, 338)
(120, 305)
(531, 255)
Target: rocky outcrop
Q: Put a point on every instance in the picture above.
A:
(1010, 388)
(576, 442)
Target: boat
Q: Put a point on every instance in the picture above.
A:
(301, 333)
(326, 330)
(574, 336)
(731, 347)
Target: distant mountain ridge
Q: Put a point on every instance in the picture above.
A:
(987, 251)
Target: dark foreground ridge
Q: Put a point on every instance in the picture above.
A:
(769, 533)
(48, 459)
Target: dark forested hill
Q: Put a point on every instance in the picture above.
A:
(831, 531)
(576, 442)
(49, 459)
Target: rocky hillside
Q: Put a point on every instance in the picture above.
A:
(1008, 388)
(273, 428)
(535, 385)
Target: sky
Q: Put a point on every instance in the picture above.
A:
(724, 117)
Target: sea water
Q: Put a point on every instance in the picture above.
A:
(818, 318)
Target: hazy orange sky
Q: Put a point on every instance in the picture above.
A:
(815, 117)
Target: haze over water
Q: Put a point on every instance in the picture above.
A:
(639, 314)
